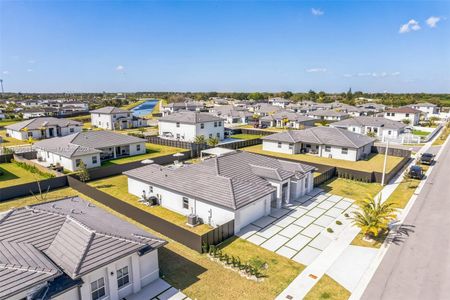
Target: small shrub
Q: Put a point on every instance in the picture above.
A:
(205, 248)
(346, 215)
(325, 295)
(338, 222)
(330, 230)
(32, 169)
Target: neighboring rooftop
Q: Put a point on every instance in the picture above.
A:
(370, 121)
(84, 143)
(109, 110)
(231, 180)
(323, 136)
(404, 110)
(38, 123)
(423, 104)
(190, 117)
(328, 113)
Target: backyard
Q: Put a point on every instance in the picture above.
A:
(153, 150)
(243, 136)
(9, 141)
(117, 186)
(12, 174)
(373, 163)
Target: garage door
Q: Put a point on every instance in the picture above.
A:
(248, 214)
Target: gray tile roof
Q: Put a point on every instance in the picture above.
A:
(109, 110)
(404, 110)
(323, 136)
(370, 121)
(327, 113)
(232, 181)
(77, 236)
(287, 115)
(84, 143)
(37, 123)
(190, 117)
(22, 266)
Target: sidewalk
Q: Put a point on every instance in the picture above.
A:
(304, 282)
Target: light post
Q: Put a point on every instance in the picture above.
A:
(384, 165)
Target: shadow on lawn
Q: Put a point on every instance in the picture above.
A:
(177, 270)
(6, 175)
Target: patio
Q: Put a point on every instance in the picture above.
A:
(158, 290)
(299, 231)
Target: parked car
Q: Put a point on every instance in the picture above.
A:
(415, 172)
(426, 158)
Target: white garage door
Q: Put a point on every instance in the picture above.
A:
(248, 214)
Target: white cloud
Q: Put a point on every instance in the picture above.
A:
(373, 74)
(120, 68)
(5, 72)
(316, 70)
(363, 74)
(317, 12)
(395, 73)
(412, 25)
(432, 21)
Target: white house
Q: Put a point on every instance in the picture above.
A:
(43, 128)
(232, 114)
(188, 105)
(281, 102)
(72, 249)
(185, 126)
(403, 113)
(90, 147)
(39, 112)
(287, 119)
(380, 127)
(428, 109)
(327, 115)
(2, 115)
(114, 118)
(238, 186)
(321, 141)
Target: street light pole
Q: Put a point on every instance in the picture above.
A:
(384, 165)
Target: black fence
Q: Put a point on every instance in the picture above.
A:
(6, 158)
(403, 163)
(241, 144)
(177, 233)
(325, 176)
(391, 151)
(193, 147)
(27, 189)
(256, 131)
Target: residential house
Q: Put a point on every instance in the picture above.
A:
(43, 128)
(327, 115)
(114, 118)
(265, 109)
(188, 105)
(39, 112)
(90, 147)
(232, 114)
(281, 102)
(321, 141)
(186, 126)
(378, 126)
(71, 249)
(428, 109)
(238, 186)
(287, 119)
(403, 113)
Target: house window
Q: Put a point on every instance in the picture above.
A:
(407, 115)
(344, 150)
(218, 135)
(392, 114)
(30, 134)
(77, 162)
(178, 136)
(354, 129)
(389, 132)
(327, 148)
(178, 124)
(185, 203)
(98, 289)
(291, 146)
(150, 188)
(220, 123)
(215, 124)
(202, 125)
(94, 159)
(122, 277)
(138, 147)
(279, 144)
(72, 130)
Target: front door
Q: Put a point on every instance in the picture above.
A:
(284, 192)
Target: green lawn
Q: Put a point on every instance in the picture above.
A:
(153, 150)
(14, 175)
(420, 132)
(195, 274)
(373, 163)
(132, 105)
(445, 132)
(9, 141)
(327, 288)
(243, 136)
(117, 186)
(7, 122)
(351, 189)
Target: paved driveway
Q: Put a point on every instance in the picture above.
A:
(298, 231)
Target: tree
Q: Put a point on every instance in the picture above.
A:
(213, 141)
(406, 121)
(199, 139)
(433, 120)
(371, 134)
(373, 217)
(83, 173)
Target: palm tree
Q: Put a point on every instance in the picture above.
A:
(373, 216)
(200, 139)
(213, 141)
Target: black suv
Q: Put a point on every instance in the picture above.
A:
(415, 172)
(426, 158)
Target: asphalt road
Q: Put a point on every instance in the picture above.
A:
(418, 266)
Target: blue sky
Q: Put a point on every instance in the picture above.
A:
(375, 46)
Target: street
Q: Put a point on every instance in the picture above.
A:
(417, 266)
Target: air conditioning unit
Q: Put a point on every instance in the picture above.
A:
(192, 220)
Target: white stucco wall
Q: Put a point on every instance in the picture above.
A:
(102, 121)
(188, 132)
(414, 118)
(68, 163)
(252, 212)
(284, 147)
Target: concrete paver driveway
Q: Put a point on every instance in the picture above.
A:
(298, 231)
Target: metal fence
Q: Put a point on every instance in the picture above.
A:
(392, 151)
(240, 144)
(325, 176)
(27, 189)
(195, 148)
